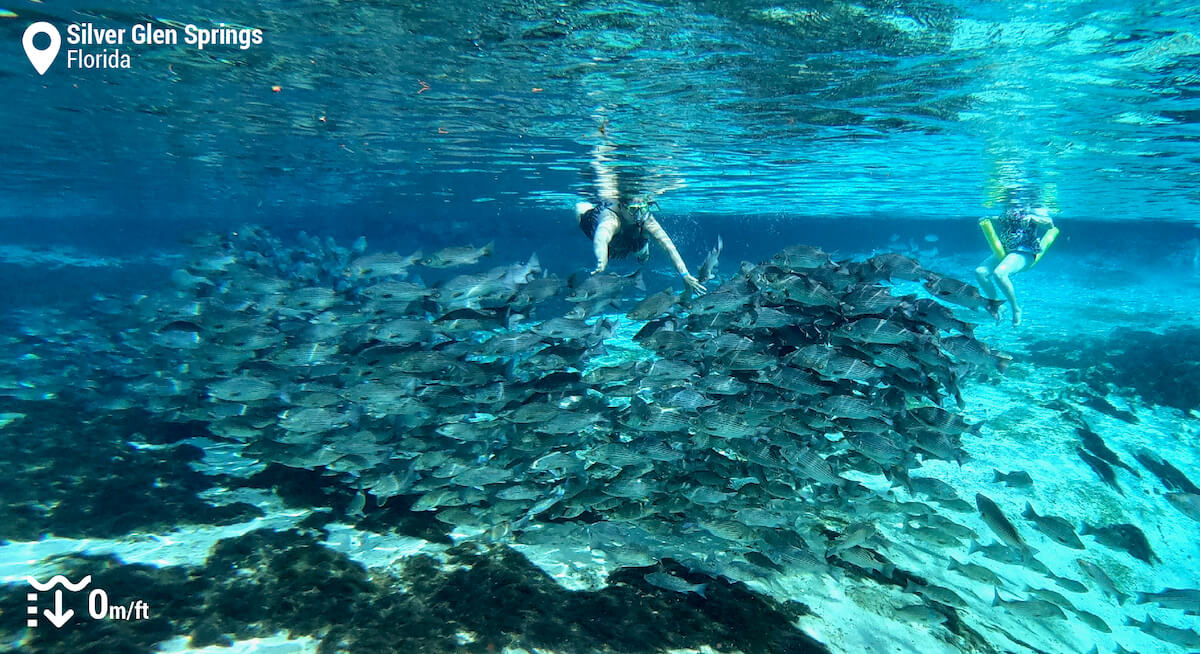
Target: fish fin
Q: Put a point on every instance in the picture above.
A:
(1002, 363)
(604, 327)
(488, 249)
(510, 370)
(1029, 513)
(578, 277)
(995, 596)
(700, 590)
(993, 308)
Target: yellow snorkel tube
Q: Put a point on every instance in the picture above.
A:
(993, 240)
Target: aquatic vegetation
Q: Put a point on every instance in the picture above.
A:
(1161, 368)
(113, 485)
(288, 581)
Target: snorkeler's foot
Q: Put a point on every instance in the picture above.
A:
(1016, 315)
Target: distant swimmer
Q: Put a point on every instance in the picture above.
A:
(621, 227)
(1017, 240)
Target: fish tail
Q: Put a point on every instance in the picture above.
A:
(1029, 513)
(1027, 554)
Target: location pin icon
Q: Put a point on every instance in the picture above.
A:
(41, 59)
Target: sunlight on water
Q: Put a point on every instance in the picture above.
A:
(894, 109)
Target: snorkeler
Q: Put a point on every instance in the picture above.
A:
(1016, 245)
(619, 228)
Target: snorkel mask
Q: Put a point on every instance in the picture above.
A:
(644, 204)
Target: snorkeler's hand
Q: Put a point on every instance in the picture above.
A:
(600, 266)
(694, 284)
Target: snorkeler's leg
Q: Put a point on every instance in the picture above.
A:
(1012, 264)
(606, 177)
(983, 273)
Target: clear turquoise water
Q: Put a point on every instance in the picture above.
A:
(858, 127)
(884, 109)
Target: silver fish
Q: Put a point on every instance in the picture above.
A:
(457, 256)
(674, 584)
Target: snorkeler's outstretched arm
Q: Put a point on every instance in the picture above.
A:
(660, 235)
(604, 235)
